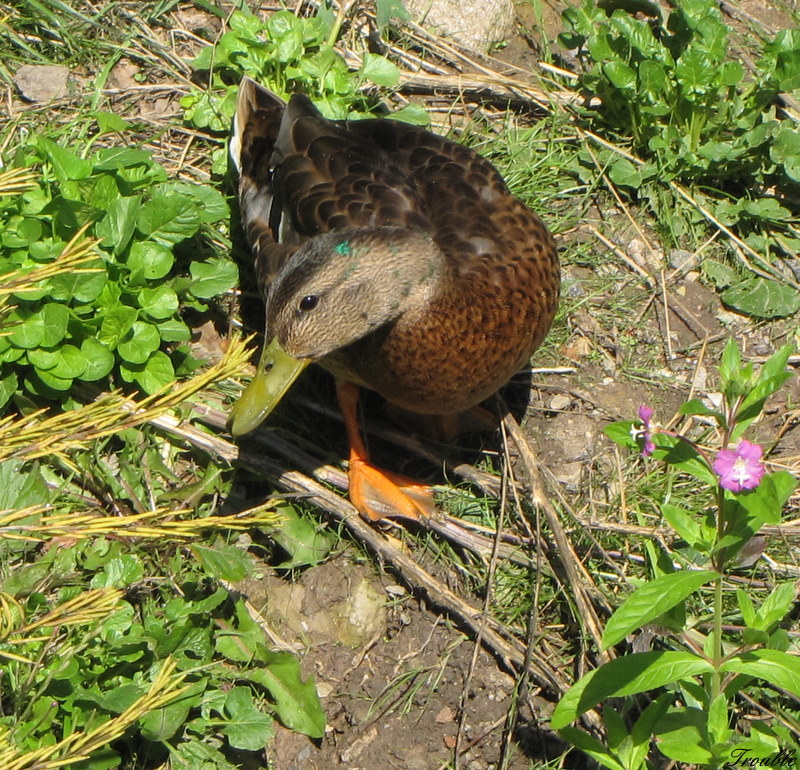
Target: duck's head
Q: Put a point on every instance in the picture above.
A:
(335, 289)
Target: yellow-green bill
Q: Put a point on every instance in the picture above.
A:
(276, 372)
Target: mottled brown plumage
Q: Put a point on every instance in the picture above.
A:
(395, 258)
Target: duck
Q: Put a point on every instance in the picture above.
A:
(395, 258)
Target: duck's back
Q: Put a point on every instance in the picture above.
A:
(301, 175)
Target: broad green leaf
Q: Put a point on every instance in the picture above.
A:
(212, 277)
(624, 173)
(654, 598)
(683, 736)
(386, 10)
(55, 317)
(110, 122)
(296, 702)
(149, 260)
(114, 158)
(718, 729)
(79, 287)
(687, 526)
(626, 676)
(117, 226)
(620, 75)
(168, 219)
(590, 746)
(246, 728)
(306, 544)
(21, 485)
(775, 607)
(696, 406)
(415, 114)
(159, 302)
(8, 386)
(162, 724)
(71, 363)
(152, 376)
(772, 666)
(116, 323)
(51, 381)
(99, 360)
(211, 204)
(66, 164)
(223, 562)
(174, 330)
(139, 343)
(746, 607)
(762, 298)
(379, 70)
(765, 502)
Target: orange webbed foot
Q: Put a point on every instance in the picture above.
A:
(379, 494)
(375, 493)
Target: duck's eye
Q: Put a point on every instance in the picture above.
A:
(309, 302)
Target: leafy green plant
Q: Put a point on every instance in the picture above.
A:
(692, 721)
(115, 315)
(78, 658)
(288, 54)
(670, 87)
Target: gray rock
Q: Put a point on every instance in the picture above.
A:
(41, 82)
(476, 24)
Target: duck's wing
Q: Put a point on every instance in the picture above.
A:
(256, 125)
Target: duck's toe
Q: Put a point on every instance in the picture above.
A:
(379, 494)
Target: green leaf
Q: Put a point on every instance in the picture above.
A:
(168, 219)
(212, 277)
(625, 174)
(44, 327)
(140, 341)
(159, 302)
(296, 701)
(762, 298)
(687, 527)
(415, 114)
(626, 676)
(66, 164)
(21, 485)
(775, 607)
(651, 600)
(149, 260)
(765, 502)
(386, 10)
(776, 668)
(379, 70)
(718, 729)
(71, 363)
(247, 728)
(99, 360)
(152, 376)
(116, 323)
(696, 406)
(174, 330)
(223, 562)
(162, 724)
(306, 544)
(8, 386)
(682, 736)
(79, 287)
(591, 747)
(620, 75)
(117, 226)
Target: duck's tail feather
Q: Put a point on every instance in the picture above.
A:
(256, 126)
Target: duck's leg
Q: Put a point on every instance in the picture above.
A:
(375, 493)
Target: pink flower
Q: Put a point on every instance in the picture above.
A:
(741, 468)
(643, 434)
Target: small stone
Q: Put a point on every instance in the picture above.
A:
(560, 402)
(41, 82)
(680, 259)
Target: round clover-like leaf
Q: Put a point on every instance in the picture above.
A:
(99, 360)
(142, 339)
